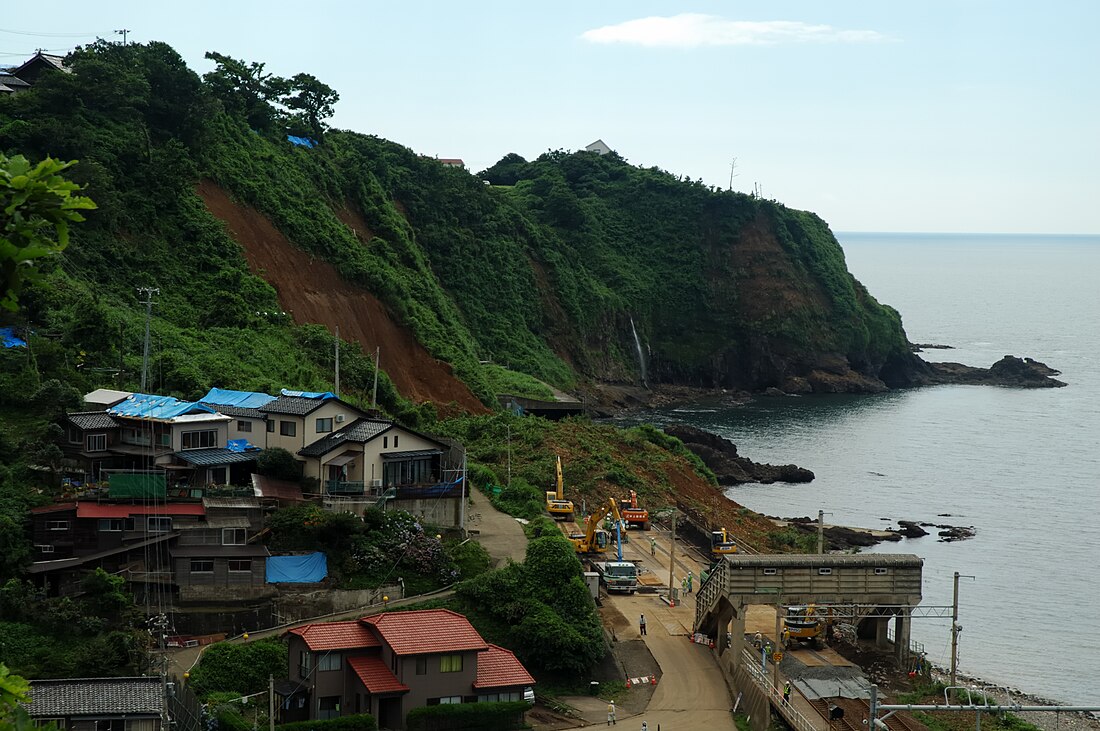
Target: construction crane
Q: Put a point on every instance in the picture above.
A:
(556, 504)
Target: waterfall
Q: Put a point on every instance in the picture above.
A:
(638, 350)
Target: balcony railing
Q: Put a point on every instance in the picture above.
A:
(340, 487)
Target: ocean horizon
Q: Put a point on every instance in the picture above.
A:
(1018, 465)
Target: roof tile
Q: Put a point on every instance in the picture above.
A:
(376, 677)
(95, 697)
(498, 667)
(426, 631)
(336, 635)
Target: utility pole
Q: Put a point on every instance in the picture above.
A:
(509, 428)
(733, 166)
(778, 647)
(955, 627)
(821, 531)
(672, 560)
(462, 509)
(271, 703)
(374, 392)
(122, 32)
(148, 292)
(337, 361)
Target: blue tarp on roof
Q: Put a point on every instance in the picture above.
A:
(8, 339)
(243, 399)
(308, 394)
(150, 406)
(307, 569)
(301, 141)
(239, 445)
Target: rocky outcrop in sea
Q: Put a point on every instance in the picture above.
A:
(720, 455)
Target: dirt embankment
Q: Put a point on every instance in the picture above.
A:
(312, 291)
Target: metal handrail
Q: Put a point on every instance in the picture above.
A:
(796, 719)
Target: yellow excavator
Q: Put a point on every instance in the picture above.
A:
(556, 504)
(806, 623)
(721, 543)
(595, 539)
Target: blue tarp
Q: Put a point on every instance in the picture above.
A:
(301, 141)
(243, 399)
(7, 337)
(308, 394)
(307, 569)
(150, 406)
(239, 445)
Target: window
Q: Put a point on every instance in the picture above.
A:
(49, 723)
(111, 525)
(770, 572)
(95, 443)
(395, 441)
(421, 665)
(240, 564)
(879, 571)
(271, 426)
(74, 435)
(824, 571)
(328, 707)
(450, 664)
(165, 440)
(142, 438)
(329, 661)
(287, 428)
(202, 566)
(450, 699)
(385, 442)
(244, 425)
(324, 425)
(57, 525)
(233, 536)
(200, 439)
(305, 663)
(160, 525)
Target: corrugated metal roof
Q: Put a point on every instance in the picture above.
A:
(151, 406)
(337, 635)
(98, 510)
(215, 456)
(498, 667)
(376, 677)
(411, 455)
(249, 550)
(106, 396)
(426, 631)
(92, 420)
(95, 697)
(268, 487)
(228, 503)
(834, 560)
(227, 521)
(834, 687)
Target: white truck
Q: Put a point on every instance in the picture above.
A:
(619, 576)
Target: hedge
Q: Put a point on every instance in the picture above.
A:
(468, 717)
(358, 722)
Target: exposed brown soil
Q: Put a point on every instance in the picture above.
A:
(354, 220)
(762, 293)
(312, 291)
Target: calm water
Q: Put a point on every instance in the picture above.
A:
(1020, 466)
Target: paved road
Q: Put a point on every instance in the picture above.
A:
(500, 534)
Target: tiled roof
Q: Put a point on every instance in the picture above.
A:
(359, 431)
(336, 635)
(216, 456)
(92, 420)
(95, 697)
(295, 405)
(376, 676)
(12, 81)
(97, 510)
(497, 667)
(236, 411)
(426, 631)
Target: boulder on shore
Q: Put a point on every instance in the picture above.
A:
(720, 455)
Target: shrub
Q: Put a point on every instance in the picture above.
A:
(357, 722)
(242, 668)
(278, 463)
(467, 717)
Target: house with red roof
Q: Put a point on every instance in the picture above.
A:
(388, 664)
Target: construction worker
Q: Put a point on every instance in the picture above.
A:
(652, 546)
(611, 714)
(787, 692)
(641, 625)
(757, 640)
(691, 577)
(786, 637)
(645, 726)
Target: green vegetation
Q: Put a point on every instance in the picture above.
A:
(466, 717)
(956, 721)
(356, 722)
(238, 668)
(503, 380)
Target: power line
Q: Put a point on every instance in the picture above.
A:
(122, 32)
(49, 35)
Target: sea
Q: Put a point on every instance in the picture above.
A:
(1020, 466)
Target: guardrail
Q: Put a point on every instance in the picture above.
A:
(797, 721)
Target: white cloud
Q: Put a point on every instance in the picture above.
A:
(690, 30)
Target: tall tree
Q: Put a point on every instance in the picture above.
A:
(246, 90)
(312, 100)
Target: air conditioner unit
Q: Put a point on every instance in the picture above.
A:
(376, 483)
(339, 418)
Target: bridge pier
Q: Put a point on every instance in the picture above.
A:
(902, 626)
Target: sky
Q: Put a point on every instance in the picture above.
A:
(939, 115)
